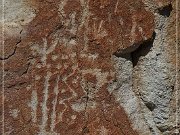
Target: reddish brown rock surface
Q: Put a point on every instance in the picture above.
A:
(58, 65)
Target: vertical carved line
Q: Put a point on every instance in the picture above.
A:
(44, 52)
(53, 115)
(34, 104)
(44, 103)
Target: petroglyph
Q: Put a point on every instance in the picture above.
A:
(44, 51)
(14, 113)
(53, 115)
(33, 105)
(133, 29)
(101, 77)
(69, 45)
(44, 103)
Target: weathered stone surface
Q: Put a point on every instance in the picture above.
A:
(154, 77)
(96, 67)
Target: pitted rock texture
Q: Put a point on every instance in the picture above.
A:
(95, 67)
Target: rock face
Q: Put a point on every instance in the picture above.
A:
(95, 67)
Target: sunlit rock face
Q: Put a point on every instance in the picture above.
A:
(95, 67)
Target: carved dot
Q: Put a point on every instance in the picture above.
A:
(73, 117)
(54, 57)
